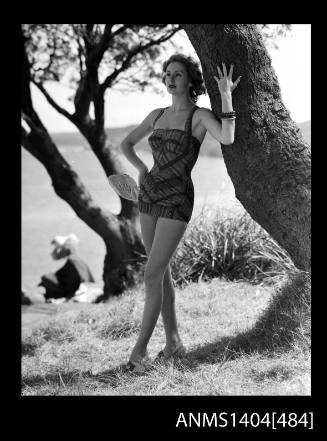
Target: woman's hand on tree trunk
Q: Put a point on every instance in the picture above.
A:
(224, 80)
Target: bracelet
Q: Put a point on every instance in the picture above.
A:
(228, 114)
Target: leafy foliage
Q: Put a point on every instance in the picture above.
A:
(130, 54)
(271, 33)
(124, 55)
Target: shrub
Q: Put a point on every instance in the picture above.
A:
(233, 247)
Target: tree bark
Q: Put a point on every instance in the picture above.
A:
(269, 162)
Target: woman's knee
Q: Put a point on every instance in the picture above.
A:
(154, 273)
(167, 280)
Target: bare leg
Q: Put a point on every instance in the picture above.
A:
(148, 229)
(168, 313)
(167, 235)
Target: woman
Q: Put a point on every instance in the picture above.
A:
(66, 280)
(166, 193)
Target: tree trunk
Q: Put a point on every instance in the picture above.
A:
(110, 163)
(123, 244)
(121, 236)
(269, 162)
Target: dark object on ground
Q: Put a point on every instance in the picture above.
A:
(66, 281)
(25, 300)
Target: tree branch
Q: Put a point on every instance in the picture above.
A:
(110, 78)
(29, 121)
(53, 103)
(80, 50)
(87, 37)
(120, 30)
(24, 136)
(94, 55)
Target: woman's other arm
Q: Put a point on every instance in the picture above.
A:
(127, 145)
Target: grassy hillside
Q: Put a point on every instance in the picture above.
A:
(209, 147)
(235, 345)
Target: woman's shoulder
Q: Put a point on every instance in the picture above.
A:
(202, 112)
(156, 111)
(153, 115)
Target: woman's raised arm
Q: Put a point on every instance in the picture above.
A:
(222, 131)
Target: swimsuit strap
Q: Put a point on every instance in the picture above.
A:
(188, 123)
(161, 111)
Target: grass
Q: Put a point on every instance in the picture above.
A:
(235, 344)
(221, 245)
(230, 246)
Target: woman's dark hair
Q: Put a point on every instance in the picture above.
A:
(194, 72)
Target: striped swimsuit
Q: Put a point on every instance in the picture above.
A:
(167, 189)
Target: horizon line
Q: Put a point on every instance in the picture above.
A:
(129, 125)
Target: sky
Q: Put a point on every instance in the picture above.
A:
(291, 62)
